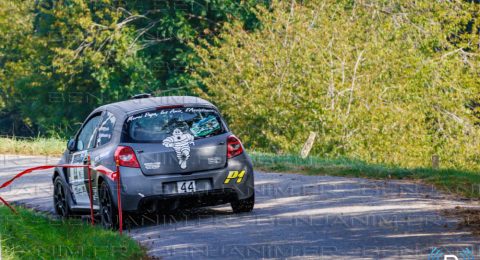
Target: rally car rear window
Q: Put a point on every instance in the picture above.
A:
(157, 125)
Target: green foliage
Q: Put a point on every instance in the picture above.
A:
(77, 55)
(31, 235)
(16, 47)
(384, 81)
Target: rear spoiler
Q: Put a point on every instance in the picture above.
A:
(140, 96)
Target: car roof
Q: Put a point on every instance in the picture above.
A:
(133, 105)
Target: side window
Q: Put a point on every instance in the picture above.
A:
(105, 131)
(85, 138)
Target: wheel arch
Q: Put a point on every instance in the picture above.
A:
(59, 172)
(103, 179)
(100, 179)
(55, 175)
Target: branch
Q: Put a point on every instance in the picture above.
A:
(352, 87)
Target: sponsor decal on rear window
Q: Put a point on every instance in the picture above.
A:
(156, 126)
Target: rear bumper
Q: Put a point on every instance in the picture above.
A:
(140, 191)
(177, 201)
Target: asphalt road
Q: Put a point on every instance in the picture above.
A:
(295, 216)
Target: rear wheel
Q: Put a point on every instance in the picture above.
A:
(60, 201)
(245, 205)
(108, 210)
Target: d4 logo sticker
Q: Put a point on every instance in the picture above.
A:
(232, 175)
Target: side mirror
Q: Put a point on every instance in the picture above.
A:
(71, 145)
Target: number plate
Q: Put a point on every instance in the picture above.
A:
(186, 186)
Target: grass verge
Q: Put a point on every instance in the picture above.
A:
(31, 235)
(464, 183)
(32, 146)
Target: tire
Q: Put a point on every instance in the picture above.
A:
(60, 201)
(108, 210)
(245, 205)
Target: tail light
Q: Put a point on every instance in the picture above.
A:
(234, 147)
(125, 156)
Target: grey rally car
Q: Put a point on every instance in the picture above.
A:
(172, 152)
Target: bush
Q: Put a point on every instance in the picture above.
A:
(382, 81)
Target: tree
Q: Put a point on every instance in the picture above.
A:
(383, 81)
(82, 54)
(15, 51)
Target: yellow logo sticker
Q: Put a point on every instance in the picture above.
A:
(232, 175)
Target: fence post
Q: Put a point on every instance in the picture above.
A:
(308, 145)
(8, 205)
(435, 162)
(89, 170)
(119, 200)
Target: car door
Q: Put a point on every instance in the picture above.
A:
(103, 152)
(78, 177)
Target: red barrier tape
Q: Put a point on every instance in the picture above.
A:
(115, 176)
(110, 174)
